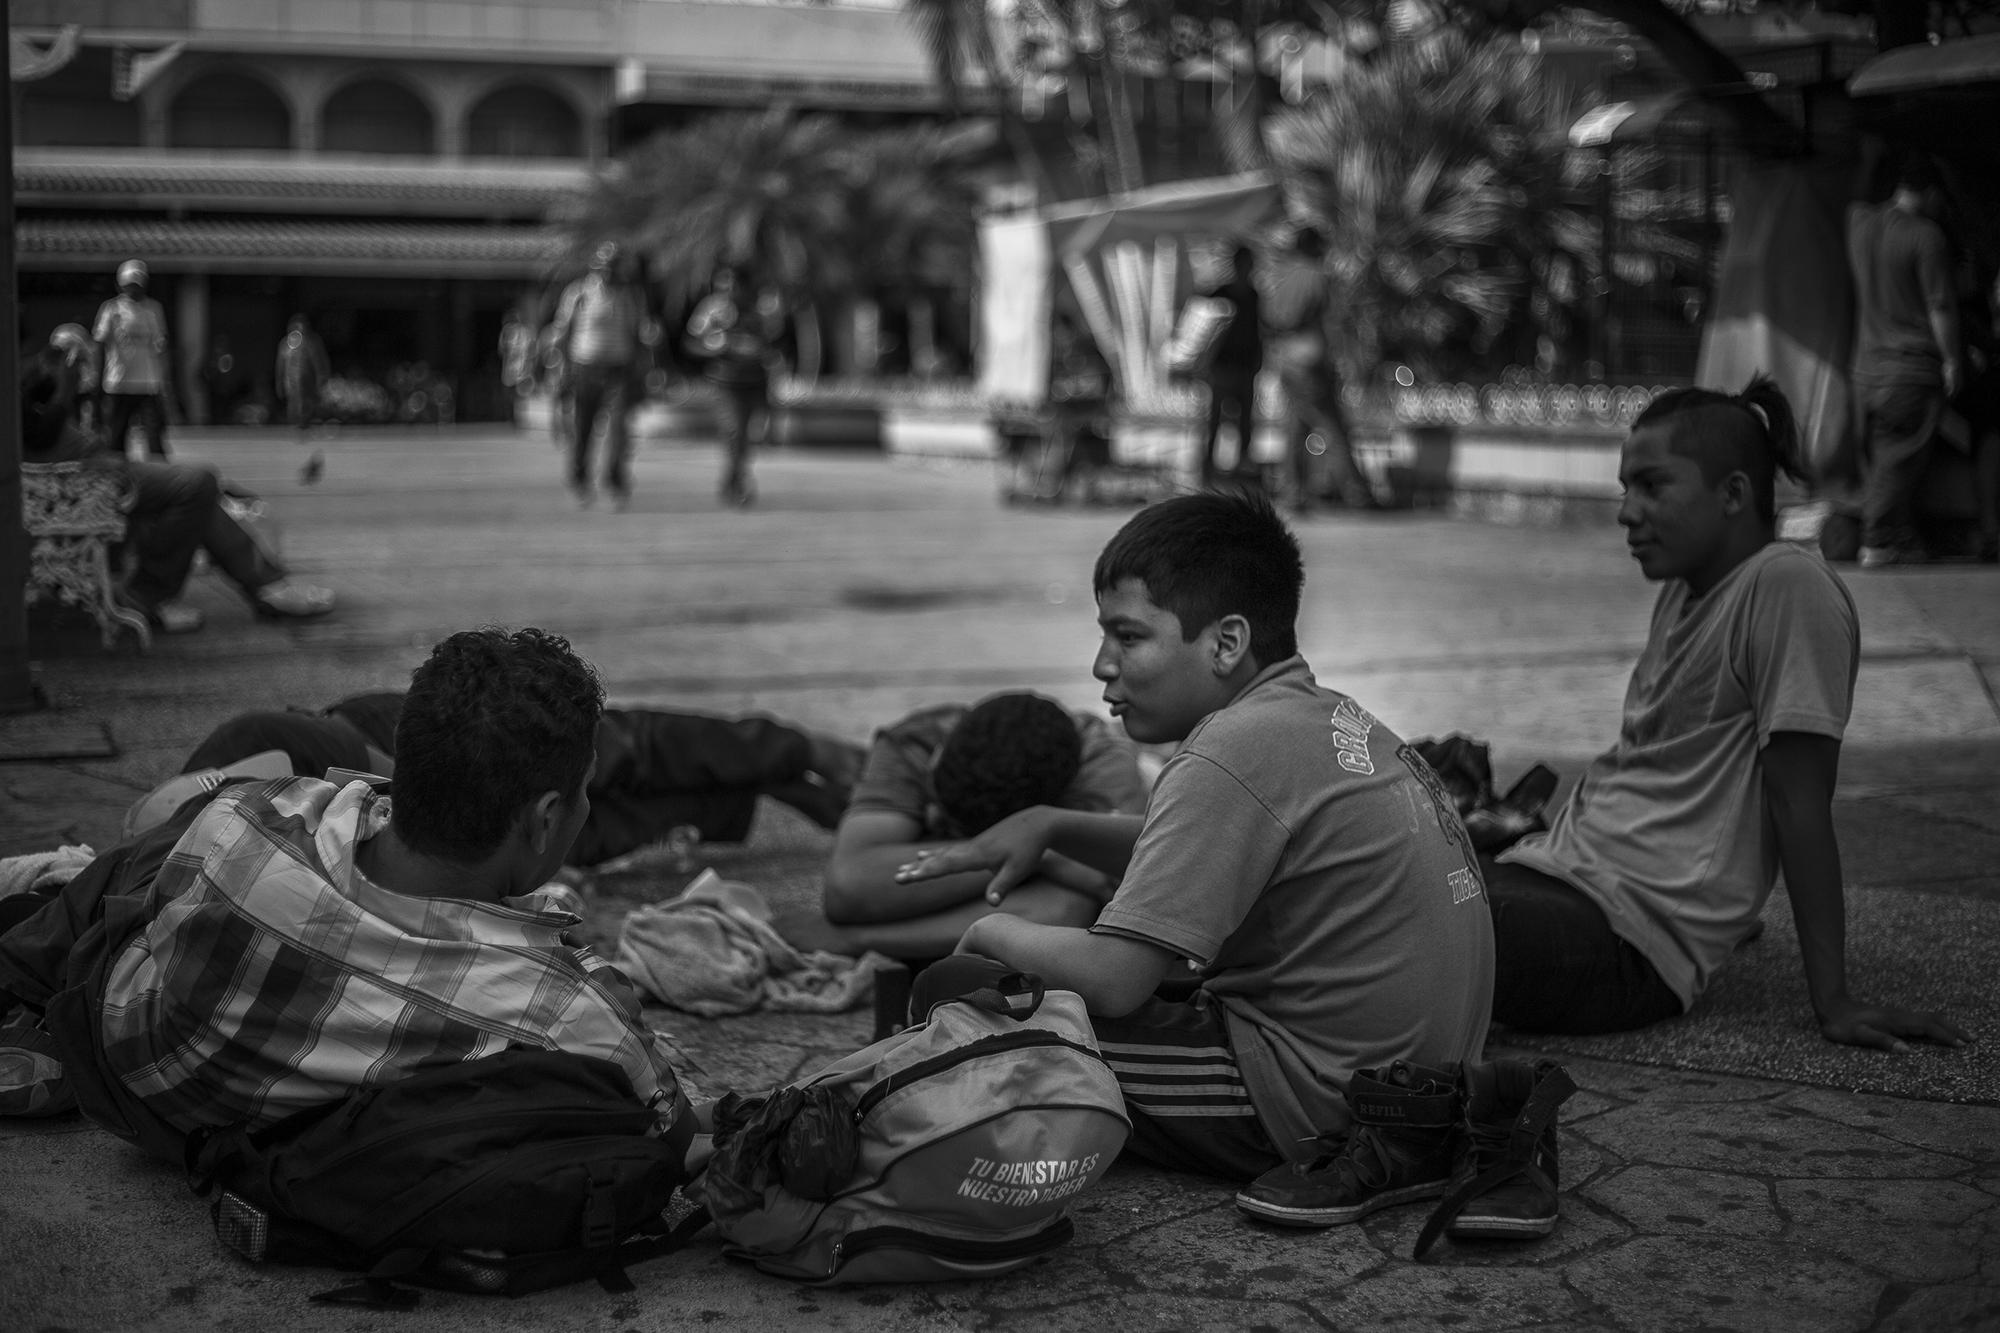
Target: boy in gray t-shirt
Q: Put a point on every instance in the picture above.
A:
(1660, 862)
(1301, 858)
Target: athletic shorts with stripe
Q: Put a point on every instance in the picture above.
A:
(1190, 1109)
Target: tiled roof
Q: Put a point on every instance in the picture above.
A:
(283, 181)
(288, 246)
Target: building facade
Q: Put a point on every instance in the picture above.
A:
(387, 168)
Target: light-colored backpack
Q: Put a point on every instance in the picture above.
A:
(950, 1150)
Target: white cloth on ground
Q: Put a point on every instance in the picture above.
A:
(43, 870)
(713, 951)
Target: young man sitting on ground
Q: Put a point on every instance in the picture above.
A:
(657, 769)
(947, 772)
(176, 511)
(303, 939)
(1297, 853)
(1660, 862)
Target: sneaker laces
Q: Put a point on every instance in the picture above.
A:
(1491, 1141)
(1495, 1159)
(1346, 1160)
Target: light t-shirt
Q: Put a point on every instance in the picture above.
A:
(134, 334)
(599, 322)
(1668, 831)
(1316, 871)
(1901, 264)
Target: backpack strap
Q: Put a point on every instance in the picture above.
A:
(378, 1290)
(655, 1245)
(369, 1294)
(381, 1289)
(981, 982)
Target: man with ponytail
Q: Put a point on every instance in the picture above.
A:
(1660, 862)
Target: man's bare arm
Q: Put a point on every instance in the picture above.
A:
(1114, 974)
(861, 883)
(1799, 774)
(1934, 274)
(1019, 846)
(864, 888)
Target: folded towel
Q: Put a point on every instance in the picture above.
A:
(43, 870)
(712, 951)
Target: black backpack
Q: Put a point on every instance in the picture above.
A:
(509, 1174)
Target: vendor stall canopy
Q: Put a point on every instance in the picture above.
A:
(1124, 256)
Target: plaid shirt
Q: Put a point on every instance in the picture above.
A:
(274, 977)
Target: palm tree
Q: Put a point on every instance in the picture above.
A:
(911, 219)
(1451, 204)
(1099, 55)
(767, 192)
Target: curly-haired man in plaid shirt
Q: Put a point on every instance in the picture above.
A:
(308, 937)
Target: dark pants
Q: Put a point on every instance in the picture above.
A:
(737, 405)
(1316, 411)
(1189, 1106)
(1558, 966)
(176, 511)
(150, 408)
(1899, 422)
(1239, 397)
(600, 391)
(314, 741)
(655, 769)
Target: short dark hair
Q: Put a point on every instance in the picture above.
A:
(1209, 555)
(1007, 753)
(1753, 432)
(1917, 170)
(492, 720)
(48, 396)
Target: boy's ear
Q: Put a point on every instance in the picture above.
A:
(1736, 493)
(1232, 644)
(541, 819)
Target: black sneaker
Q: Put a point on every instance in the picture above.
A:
(32, 1082)
(1401, 1149)
(1507, 1182)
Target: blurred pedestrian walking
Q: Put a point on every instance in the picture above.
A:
(226, 380)
(137, 372)
(79, 355)
(733, 331)
(302, 372)
(599, 329)
(1316, 418)
(1907, 363)
(1233, 369)
(517, 355)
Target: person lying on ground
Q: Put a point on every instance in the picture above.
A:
(1661, 860)
(945, 773)
(176, 511)
(1295, 852)
(304, 938)
(657, 769)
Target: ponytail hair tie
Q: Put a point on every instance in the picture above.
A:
(1757, 410)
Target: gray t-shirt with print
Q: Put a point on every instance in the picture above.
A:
(1666, 831)
(1315, 870)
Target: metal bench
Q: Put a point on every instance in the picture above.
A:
(74, 513)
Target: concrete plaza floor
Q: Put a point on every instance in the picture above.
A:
(857, 589)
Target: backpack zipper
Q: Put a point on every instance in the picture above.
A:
(1024, 1039)
(857, 1243)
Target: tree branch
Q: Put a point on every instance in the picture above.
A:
(1710, 72)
